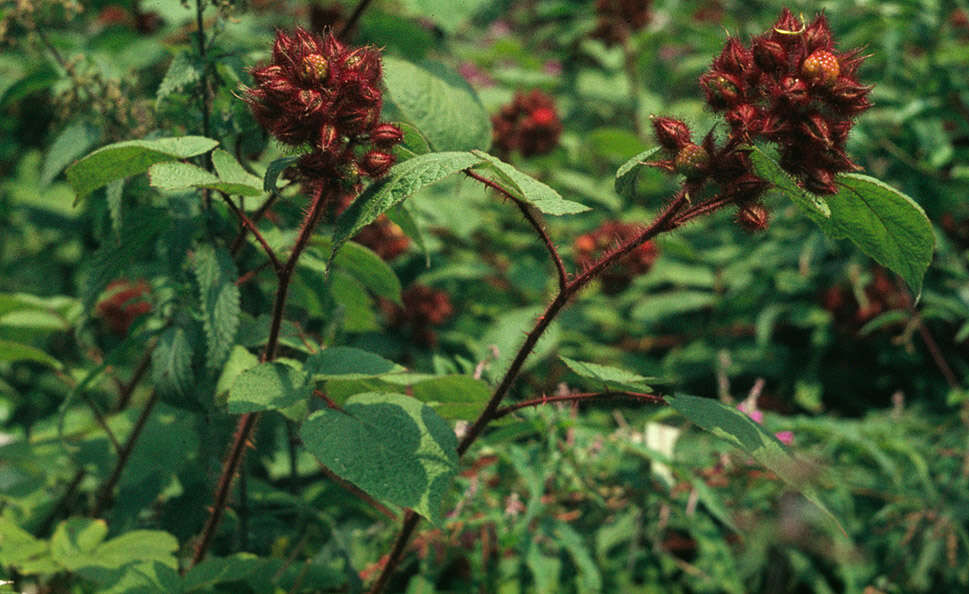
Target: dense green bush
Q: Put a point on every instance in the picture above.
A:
(171, 419)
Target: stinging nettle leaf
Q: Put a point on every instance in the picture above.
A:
(171, 364)
(440, 103)
(628, 172)
(234, 176)
(182, 71)
(131, 157)
(402, 181)
(736, 428)
(392, 446)
(216, 274)
(528, 189)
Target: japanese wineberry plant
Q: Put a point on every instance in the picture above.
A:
(424, 296)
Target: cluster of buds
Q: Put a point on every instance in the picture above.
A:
(124, 301)
(618, 18)
(792, 88)
(384, 237)
(424, 308)
(590, 247)
(728, 167)
(851, 310)
(529, 124)
(318, 93)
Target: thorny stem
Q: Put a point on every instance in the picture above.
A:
(124, 395)
(256, 216)
(106, 491)
(665, 221)
(506, 410)
(352, 21)
(246, 223)
(247, 422)
(533, 221)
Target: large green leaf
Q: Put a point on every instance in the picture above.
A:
(528, 189)
(70, 144)
(216, 274)
(736, 428)
(174, 176)
(440, 103)
(885, 223)
(131, 157)
(628, 172)
(606, 375)
(392, 446)
(454, 396)
(403, 180)
(348, 363)
(268, 386)
(359, 261)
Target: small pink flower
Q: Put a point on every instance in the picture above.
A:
(756, 415)
(785, 437)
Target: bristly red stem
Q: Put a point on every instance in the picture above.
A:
(352, 21)
(663, 222)
(256, 216)
(533, 221)
(506, 410)
(247, 422)
(246, 223)
(107, 489)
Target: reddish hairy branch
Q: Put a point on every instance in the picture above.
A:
(533, 221)
(107, 489)
(247, 422)
(247, 224)
(663, 222)
(650, 398)
(256, 216)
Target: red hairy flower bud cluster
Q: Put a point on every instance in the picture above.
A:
(530, 124)
(384, 237)
(618, 18)
(123, 304)
(590, 247)
(791, 87)
(317, 92)
(424, 307)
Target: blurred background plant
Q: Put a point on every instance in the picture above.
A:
(868, 379)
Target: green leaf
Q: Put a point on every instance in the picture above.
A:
(362, 263)
(392, 446)
(13, 351)
(75, 540)
(275, 169)
(348, 363)
(454, 396)
(413, 143)
(626, 175)
(268, 386)
(607, 375)
(70, 144)
(131, 157)
(671, 303)
(402, 215)
(240, 360)
(216, 274)
(402, 181)
(171, 364)
(235, 178)
(736, 428)
(885, 223)
(766, 167)
(182, 71)
(528, 189)
(214, 571)
(137, 545)
(439, 102)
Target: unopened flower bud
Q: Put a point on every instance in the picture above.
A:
(769, 55)
(692, 161)
(753, 217)
(376, 163)
(386, 135)
(672, 134)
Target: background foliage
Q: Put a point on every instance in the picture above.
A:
(606, 497)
